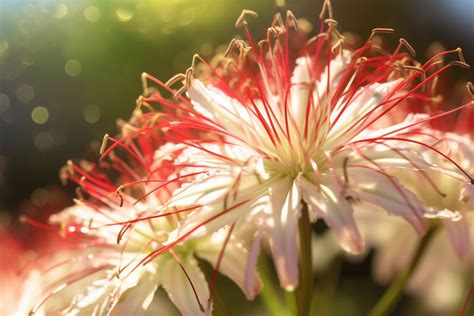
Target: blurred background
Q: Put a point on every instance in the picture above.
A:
(69, 69)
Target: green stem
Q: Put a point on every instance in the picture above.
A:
(219, 305)
(326, 287)
(304, 292)
(270, 295)
(394, 292)
(291, 302)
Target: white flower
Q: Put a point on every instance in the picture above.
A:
(267, 137)
(113, 266)
(443, 275)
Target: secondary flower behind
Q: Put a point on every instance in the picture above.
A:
(450, 256)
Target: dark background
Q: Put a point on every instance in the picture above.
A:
(44, 43)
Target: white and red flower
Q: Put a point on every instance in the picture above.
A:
(272, 129)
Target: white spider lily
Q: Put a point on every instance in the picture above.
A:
(112, 268)
(443, 275)
(269, 135)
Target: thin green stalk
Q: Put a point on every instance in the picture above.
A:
(326, 287)
(304, 292)
(219, 305)
(270, 295)
(394, 292)
(291, 302)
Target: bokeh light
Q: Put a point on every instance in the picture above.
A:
(40, 115)
(25, 93)
(43, 140)
(92, 13)
(61, 11)
(39, 197)
(124, 14)
(91, 114)
(73, 67)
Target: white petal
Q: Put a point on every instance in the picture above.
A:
(329, 201)
(458, 232)
(99, 297)
(251, 268)
(388, 193)
(301, 82)
(179, 289)
(219, 107)
(285, 201)
(225, 199)
(137, 299)
(365, 101)
(233, 263)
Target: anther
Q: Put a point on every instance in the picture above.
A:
(70, 167)
(188, 77)
(277, 21)
(331, 22)
(230, 47)
(418, 69)
(408, 46)
(272, 31)
(360, 60)
(63, 175)
(461, 55)
(195, 58)
(241, 19)
(117, 274)
(119, 193)
(175, 79)
(338, 44)
(179, 92)
(383, 30)
(317, 37)
(144, 77)
(326, 7)
(290, 17)
(460, 64)
(380, 30)
(470, 89)
(104, 144)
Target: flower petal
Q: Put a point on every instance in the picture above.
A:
(99, 297)
(388, 193)
(224, 198)
(365, 102)
(251, 268)
(138, 298)
(458, 232)
(233, 263)
(285, 200)
(301, 82)
(220, 108)
(179, 288)
(329, 201)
